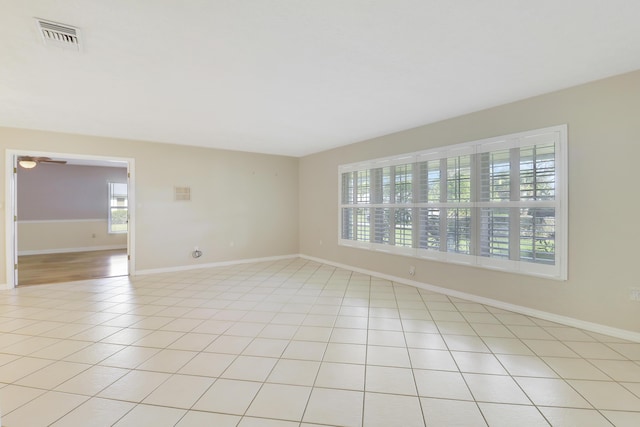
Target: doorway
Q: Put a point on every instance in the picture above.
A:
(69, 217)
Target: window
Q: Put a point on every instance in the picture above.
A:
(498, 203)
(118, 208)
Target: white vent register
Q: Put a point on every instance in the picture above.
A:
(59, 35)
(182, 194)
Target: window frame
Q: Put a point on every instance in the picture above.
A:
(110, 207)
(506, 215)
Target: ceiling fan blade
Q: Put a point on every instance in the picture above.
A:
(61, 162)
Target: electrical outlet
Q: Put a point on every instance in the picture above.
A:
(412, 270)
(197, 253)
(634, 294)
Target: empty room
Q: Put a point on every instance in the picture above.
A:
(326, 213)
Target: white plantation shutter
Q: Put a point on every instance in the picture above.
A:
(496, 203)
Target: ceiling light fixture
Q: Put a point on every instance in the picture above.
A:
(28, 164)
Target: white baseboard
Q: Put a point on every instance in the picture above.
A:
(214, 264)
(551, 317)
(69, 250)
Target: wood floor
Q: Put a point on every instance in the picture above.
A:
(69, 267)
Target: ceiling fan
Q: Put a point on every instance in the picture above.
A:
(30, 162)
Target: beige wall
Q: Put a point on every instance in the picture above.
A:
(250, 205)
(40, 237)
(603, 121)
(243, 205)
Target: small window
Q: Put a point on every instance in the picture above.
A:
(118, 208)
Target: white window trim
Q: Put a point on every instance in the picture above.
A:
(557, 271)
(109, 207)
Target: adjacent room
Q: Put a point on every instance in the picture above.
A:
(336, 213)
(72, 219)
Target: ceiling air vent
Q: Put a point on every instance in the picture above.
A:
(59, 35)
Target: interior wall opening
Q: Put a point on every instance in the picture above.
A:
(72, 218)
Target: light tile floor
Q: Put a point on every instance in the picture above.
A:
(297, 343)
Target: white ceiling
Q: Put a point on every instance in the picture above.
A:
(295, 77)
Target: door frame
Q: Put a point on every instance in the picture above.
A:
(11, 225)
